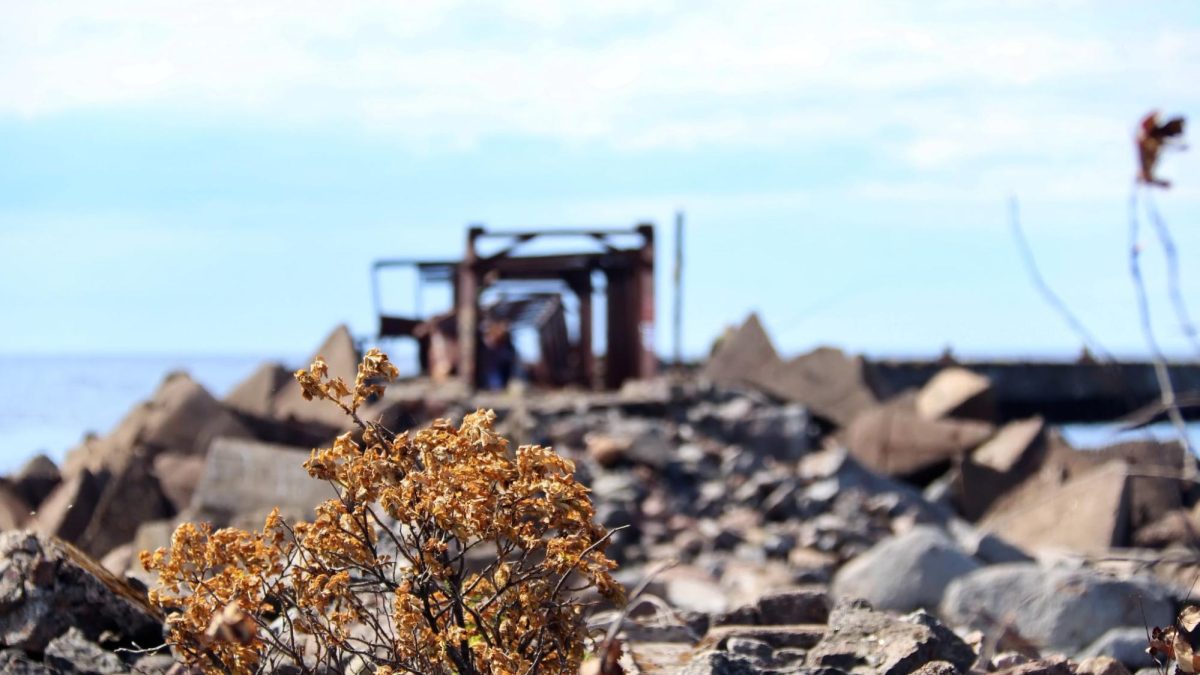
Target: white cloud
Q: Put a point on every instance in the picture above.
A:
(934, 85)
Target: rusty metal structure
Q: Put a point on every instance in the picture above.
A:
(529, 292)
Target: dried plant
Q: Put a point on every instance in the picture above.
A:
(445, 552)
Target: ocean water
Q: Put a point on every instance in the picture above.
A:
(48, 403)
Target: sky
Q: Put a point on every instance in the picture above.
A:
(212, 177)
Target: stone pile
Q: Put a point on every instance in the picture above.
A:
(813, 526)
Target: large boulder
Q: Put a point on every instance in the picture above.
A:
(1061, 609)
(48, 587)
(181, 416)
(906, 572)
(1127, 645)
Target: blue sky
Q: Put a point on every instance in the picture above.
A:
(215, 177)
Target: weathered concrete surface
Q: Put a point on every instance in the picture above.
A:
(1016, 452)
(898, 442)
(1087, 513)
(256, 395)
(243, 477)
(68, 510)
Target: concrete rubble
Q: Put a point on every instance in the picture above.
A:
(817, 526)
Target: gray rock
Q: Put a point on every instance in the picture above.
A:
(937, 668)
(691, 589)
(987, 547)
(17, 662)
(863, 638)
(719, 663)
(1127, 645)
(757, 651)
(804, 605)
(71, 652)
(794, 606)
(845, 474)
(153, 664)
(952, 649)
(1052, 666)
(47, 587)
(1066, 609)
(906, 572)
(1101, 665)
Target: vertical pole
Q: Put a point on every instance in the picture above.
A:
(468, 312)
(583, 290)
(643, 286)
(678, 279)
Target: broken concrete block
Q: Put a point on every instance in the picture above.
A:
(957, 392)
(14, 511)
(243, 477)
(742, 355)
(183, 416)
(178, 474)
(130, 497)
(1087, 513)
(36, 479)
(1004, 450)
(898, 442)
(827, 381)
(342, 357)
(66, 512)
(256, 394)
(1004, 461)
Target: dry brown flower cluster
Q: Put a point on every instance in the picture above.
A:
(445, 552)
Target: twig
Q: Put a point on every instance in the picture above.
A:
(1048, 293)
(1173, 285)
(1166, 390)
